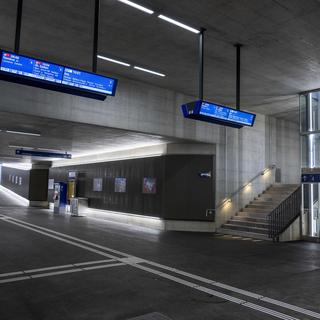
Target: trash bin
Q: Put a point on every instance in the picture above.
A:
(74, 206)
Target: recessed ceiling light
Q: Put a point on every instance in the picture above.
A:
(114, 61)
(179, 24)
(24, 133)
(150, 71)
(19, 147)
(137, 6)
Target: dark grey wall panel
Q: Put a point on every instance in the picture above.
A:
(181, 193)
(38, 186)
(187, 195)
(23, 189)
(132, 201)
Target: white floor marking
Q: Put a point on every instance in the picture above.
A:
(8, 274)
(130, 258)
(104, 266)
(56, 273)
(2, 275)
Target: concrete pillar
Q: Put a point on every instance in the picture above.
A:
(38, 185)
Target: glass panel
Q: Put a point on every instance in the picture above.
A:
(303, 113)
(311, 210)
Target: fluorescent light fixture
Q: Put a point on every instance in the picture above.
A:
(20, 166)
(24, 133)
(179, 24)
(137, 6)
(113, 60)
(149, 71)
(20, 147)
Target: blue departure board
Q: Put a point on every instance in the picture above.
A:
(88, 81)
(219, 114)
(43, 74)
(225, 113)
(32, 68)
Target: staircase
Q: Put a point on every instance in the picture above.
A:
(251, 221)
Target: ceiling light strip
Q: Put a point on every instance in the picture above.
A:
(137, 6)
(149, 71)
(114, 61)
(24, 133)
(179, 24)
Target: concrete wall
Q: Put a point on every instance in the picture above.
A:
(137, 106)
(247, 152)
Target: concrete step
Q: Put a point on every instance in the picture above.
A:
(244, 234)
(253, 215)
(257, 210)
(244, 218)
(248, 223)
(271, 196)
(293, 186)
(279, 192)
(245, 228)
(260, 205)
(266, 200)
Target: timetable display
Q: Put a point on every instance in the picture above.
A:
(88, 81)
(218, 114)
(43, 74)
(225, 113)
(32, 68)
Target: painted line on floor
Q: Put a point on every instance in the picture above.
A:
(186, 274)
(57, 273)
(71, 265)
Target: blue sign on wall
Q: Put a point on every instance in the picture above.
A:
(310, 178)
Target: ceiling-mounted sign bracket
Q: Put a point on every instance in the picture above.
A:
(95, 36)
(238, 74)
(201, 62)
(18, 26)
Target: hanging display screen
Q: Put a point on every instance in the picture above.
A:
(29, 67)
(219, 114)
(43, 74)
(88, 81)
(226, 113)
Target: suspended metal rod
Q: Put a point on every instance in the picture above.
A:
(18, 26)
(201, 62)
(95, 36)
(238, 79)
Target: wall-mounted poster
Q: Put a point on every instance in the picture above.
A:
(51, 184)
(120, 185)
(149, 186)
(97, 184)
(20, 181)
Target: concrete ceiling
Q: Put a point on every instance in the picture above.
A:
(280, 37)
(65, 136)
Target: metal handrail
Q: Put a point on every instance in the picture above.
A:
(232, 195)
(284, 214)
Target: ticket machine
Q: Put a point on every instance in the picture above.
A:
(60, 197)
